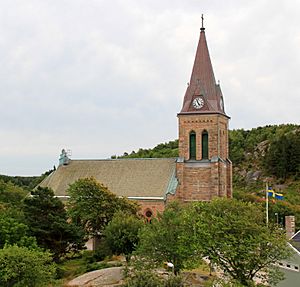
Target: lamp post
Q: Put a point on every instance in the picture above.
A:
(276, 214)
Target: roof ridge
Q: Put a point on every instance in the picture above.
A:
(121, 159)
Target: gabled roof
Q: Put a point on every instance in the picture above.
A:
(203, 83)
(125, 177)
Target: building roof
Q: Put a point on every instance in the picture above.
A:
(203, 83)
(295, 241)
(141, 178)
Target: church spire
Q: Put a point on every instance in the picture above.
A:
(202, 83)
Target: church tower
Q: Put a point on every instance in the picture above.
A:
(203, 169)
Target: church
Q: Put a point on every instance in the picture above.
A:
(201, 172)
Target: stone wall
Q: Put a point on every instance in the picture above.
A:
(217, 127)
(154, 206)
(204, 179)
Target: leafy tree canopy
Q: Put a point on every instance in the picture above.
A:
(14, 231)
(235, 237)
(20, 266)
(121, 233)
(26, 182)
(169, 149)
(168, 239)
(283, 156)
(92, 205)
(11, 195)
(47, 220)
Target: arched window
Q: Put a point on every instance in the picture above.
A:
(148, 215)
(192, 145)
(204, 145)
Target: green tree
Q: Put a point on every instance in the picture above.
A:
(168, 239)
(121, 233)
(11, 195)
(92, 205)
(235, 237)
(48, 222)
(283, 156)
(20, 266)
(14, 231)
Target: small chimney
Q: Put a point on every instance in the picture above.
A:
(290, 226)
(63, 158)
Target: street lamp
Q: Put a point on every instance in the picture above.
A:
(276, 214)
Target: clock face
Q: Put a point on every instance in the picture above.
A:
(198, 103)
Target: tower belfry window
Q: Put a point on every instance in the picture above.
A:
(192, 145)
(204, 145)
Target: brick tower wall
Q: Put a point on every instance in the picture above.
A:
(217, 127)
(204, 179)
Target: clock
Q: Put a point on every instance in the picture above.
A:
(198, 103)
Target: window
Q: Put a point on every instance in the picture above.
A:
(192, 145)
(204, 145)
(148, 214)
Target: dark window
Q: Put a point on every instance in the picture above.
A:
(148, 215)
(288, 265)
(205, 145)
(192, 145)
(296, 267)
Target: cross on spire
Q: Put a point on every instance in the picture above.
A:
(202, 24)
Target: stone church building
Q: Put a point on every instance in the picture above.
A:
(203, 169)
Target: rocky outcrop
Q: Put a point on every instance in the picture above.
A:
(108, 277)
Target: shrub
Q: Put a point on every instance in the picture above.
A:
(20, 266)
(103, 251)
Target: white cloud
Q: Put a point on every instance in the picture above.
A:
(104, 77)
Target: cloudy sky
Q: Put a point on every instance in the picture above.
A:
(103, 77)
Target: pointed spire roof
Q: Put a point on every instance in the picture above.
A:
(202, 83)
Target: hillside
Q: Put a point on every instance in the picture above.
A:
(26, 182)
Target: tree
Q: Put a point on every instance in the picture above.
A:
(11, 195)
(20, 266)
(283, 156)
(235, 237)
(47, 220)
(167, 239)
(92, 205)
(14, 231)
(121, 233)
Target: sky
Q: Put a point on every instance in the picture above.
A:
(101, 78)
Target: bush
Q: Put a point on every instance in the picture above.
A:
(146, 278)
(174, 281)
(143, 279)
(103, 251)
(20, 266)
